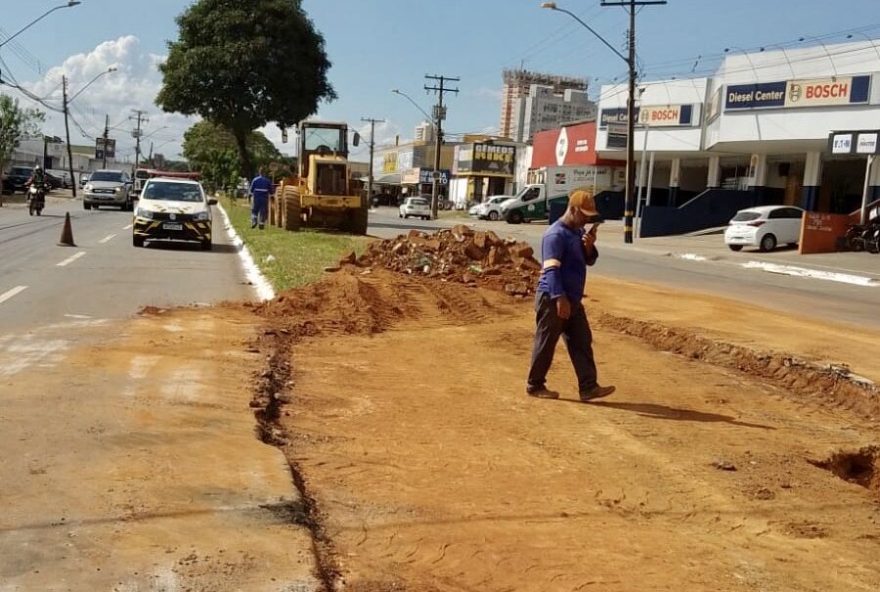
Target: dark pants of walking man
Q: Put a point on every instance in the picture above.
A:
(259, 209)
(578, 340)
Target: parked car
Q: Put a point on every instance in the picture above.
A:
(16, 179)
(173, 209)
(491, 208)
(108, 187)
(764, 227)
(418, 207)
(83, 179)
(53, 181)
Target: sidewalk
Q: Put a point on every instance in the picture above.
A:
(863, 267)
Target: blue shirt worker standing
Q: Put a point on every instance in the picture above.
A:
(567, 248)
(261, 189)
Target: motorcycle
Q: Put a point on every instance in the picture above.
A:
(36, 198)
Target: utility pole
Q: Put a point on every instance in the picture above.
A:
(67, 132)
(106, 134)
(373, 123)
(139, 116)
(439, 116)
(629, 205)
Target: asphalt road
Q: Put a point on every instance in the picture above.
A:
(812, 298)
(104, 276)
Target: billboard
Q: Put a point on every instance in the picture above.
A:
(795, 94)
(487, 159)
(102, 146)
(854, 142)
(652, 116)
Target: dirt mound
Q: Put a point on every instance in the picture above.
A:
(366, 301)
(833, 385)
(339, 303)
(459, 254)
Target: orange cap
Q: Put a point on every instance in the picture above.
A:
(582, 199)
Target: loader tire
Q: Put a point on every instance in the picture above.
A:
(359, 220)
(292, 214)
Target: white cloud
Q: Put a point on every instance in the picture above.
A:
(133, 86)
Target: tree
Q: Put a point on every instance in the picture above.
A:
(244, 63)
(212, 149)
(15, 124)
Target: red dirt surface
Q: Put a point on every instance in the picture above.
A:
(715, 466)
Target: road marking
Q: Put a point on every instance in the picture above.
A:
(71, 259)
(128, 227)
(792, 270)
(11, 293)
(107, 238)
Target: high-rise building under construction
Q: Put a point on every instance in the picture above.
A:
(518, 107)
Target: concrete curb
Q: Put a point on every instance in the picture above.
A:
(262, 287)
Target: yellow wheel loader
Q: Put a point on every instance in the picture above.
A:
(323, 193)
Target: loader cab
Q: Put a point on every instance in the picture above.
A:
(324, 157)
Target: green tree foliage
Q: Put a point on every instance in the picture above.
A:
(15, 123)
(212, 150)
(243, 64)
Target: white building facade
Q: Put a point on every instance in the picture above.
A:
(761, 124)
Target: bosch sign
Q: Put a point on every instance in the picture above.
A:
(819, 92)
(823, 91)
(667, 115)
(657, 116)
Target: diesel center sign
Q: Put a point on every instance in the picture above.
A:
(792, 94)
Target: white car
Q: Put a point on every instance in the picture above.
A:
(108, 187)
(417, 207)
(491, 209)
(173, 209)
(764, 227)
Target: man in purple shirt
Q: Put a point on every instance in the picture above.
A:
(566, 250)
(261, 189)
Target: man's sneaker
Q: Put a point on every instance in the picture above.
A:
(541, 393)
(597, 392)
(253, 224)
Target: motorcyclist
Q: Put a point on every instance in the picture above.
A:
(38, 180)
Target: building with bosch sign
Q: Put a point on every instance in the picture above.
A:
(756, 132)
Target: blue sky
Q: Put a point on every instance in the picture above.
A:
(377, 45)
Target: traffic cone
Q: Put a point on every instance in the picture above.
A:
(66, 233)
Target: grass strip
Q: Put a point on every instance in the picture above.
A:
(290, 259)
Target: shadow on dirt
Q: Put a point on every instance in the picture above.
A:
(655, 411)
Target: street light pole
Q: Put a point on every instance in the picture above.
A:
(630, 59)
(89, 83)
(39, 18)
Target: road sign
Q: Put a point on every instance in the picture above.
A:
(617, 134)
(100, 148)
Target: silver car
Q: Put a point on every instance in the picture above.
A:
(108, 187)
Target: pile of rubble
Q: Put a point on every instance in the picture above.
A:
(459, 254)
